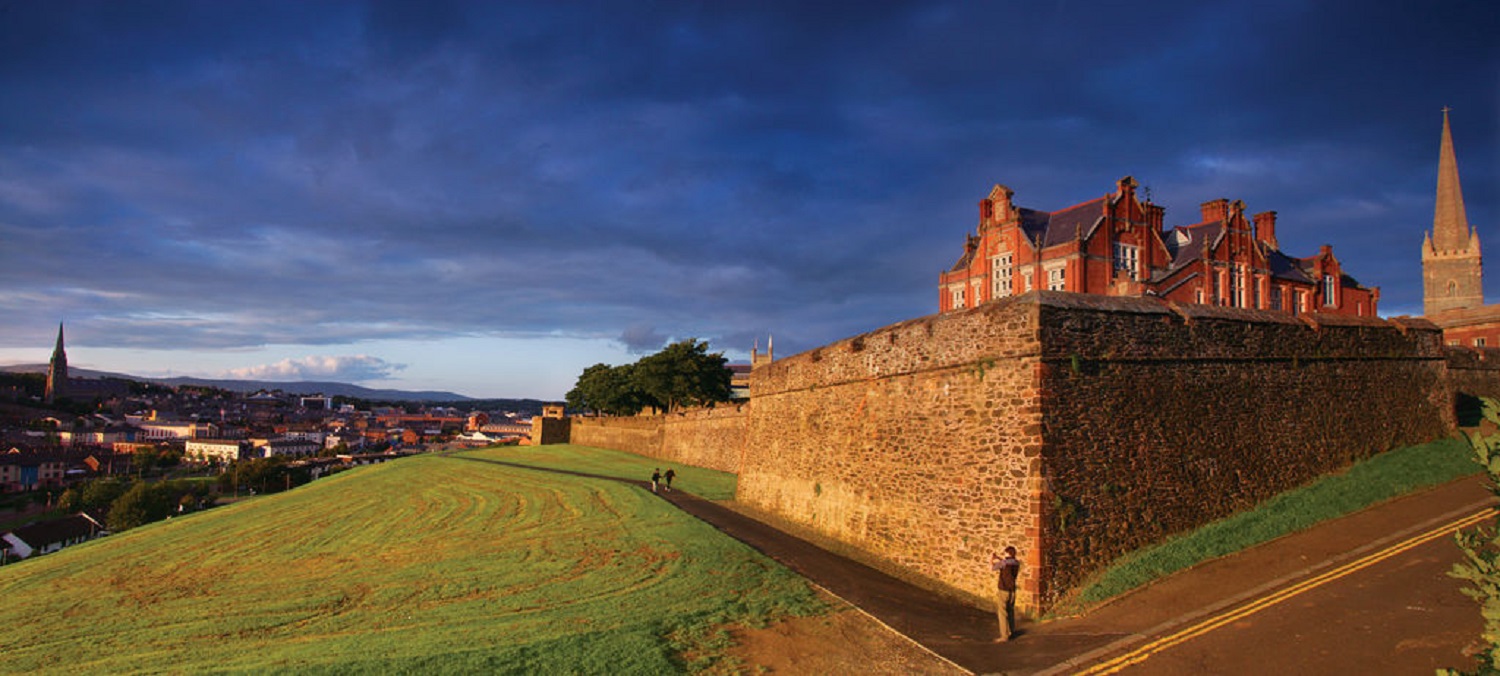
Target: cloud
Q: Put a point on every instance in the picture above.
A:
(356, 368)
(640, 339)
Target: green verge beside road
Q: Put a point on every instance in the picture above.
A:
(1366, 483)
(428, 564)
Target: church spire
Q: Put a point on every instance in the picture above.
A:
(1450, 225)
(57, 371)
(1452, 268)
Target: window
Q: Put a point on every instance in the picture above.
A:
(1026, 279)
(958, 297)
(1479, 342)
(1301, 300)
(1128, 259)
(1000, 276)
(1218, 288)
(1237, 285)
(1057, 278)
(1276, 298)
(1330, 291)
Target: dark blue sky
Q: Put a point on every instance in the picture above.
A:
(487, 197)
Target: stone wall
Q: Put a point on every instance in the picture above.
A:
(1075, 427)
(918, 444)
(1158, 420)
(710, 437)
(636, 434)
(1474, 371)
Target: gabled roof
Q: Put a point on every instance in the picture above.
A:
(1074, 222)
(39, 535)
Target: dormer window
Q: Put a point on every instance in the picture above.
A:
(1330, 291)
(1128, 259)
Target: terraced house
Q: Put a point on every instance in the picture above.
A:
(1116, 245)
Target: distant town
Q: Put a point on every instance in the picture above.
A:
(70, 448)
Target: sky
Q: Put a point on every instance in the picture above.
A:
(488, 197)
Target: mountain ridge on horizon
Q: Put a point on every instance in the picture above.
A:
(304, 387)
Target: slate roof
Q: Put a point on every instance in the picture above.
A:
(39, 535)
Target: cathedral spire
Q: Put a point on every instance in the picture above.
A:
(1450, 226)
(1452, 268)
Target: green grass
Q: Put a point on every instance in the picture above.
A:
(704, 483)
(429, 564)
(1374, 480)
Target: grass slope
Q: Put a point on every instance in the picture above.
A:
(428, 564)
(704, 483)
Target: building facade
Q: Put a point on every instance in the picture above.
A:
(1116, 245)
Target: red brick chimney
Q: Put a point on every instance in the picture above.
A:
(1265, 228)
(1215, 210)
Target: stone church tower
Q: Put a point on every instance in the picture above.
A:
(1451, 268)
(57, 371)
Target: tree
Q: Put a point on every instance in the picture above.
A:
(143, 503)
(608, 389)
(684, 374)
(100, 493)
(1480, 567)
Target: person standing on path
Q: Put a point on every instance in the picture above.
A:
(655, 477)
(1006, 569)
(668, 476)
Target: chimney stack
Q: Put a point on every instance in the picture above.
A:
(1215, 210)
(1265, 228)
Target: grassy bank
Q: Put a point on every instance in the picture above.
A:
(704, 483)
(429, 564)
(1377, 479)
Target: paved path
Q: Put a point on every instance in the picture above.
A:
(1130, 627)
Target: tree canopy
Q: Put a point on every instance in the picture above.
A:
(682, 374)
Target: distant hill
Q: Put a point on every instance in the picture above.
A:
(331, 389)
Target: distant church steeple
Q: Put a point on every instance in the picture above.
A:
(1452, 269)
(57, 370)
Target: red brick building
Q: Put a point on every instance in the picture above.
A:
(1116, 245)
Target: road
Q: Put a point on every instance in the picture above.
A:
(1391, 611)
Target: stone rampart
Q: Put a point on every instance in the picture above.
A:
(1474, 371)
(1075, 427)
(709, 437)
(640, 435)
(918, 445)
(706, 437)
(1157, 423)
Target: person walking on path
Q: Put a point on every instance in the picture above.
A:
(668, 476)
(655, 477)
(1006, 569)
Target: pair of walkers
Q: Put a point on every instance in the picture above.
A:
(657, 476)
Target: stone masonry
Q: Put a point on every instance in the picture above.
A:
(1074, 427)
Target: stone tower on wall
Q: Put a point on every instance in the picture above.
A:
(1451, 265)
(57, 371)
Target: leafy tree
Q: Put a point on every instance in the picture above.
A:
(608, 389)
(684, 374)
(143, 503)
(100, 493)
(1481, 549)
(70, 501)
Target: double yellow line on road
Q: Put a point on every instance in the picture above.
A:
(1142, 653)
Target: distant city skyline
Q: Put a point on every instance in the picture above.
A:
(486, 198)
